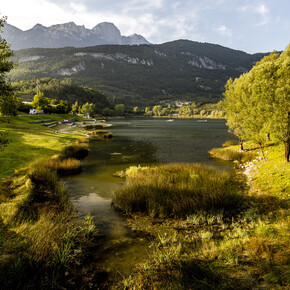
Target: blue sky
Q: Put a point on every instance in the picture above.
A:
(248, 25)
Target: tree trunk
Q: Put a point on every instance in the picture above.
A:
(262, 151)
(268, 137)
(287, 150)
(241, 144)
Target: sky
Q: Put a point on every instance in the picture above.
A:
(248, 25)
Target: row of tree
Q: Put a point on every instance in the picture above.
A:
(189, 110)
(257, 104)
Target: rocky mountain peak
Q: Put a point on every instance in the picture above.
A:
(68, 34)
(107, 28)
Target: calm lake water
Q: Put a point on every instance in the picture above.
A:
(136, 141)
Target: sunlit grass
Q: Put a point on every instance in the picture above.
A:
(30, 141)
(178, 190)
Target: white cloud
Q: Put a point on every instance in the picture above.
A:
(223, 30)
(260, 9)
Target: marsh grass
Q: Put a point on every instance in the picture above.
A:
(249, 250)
(40, 235)
(231, 154)
(77, 151)
(230, 143)
(179, 190)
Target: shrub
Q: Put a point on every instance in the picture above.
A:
(230, 143)
(232, 155)
(179, 190)
(64, 167)
(77, 151)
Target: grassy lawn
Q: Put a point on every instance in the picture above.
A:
(31, 141)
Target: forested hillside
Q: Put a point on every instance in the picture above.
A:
(141, 75)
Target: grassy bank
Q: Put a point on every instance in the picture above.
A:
(40, 235)
(246, 248)
(31, 141)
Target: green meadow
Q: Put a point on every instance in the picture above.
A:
(31, 141)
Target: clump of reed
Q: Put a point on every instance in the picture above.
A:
(178, 190)
(103, 134)
(232, 155)
(77, 151)
(230, 143)
(83, 140)
(64, 167)
(93, 127)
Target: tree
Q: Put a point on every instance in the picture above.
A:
(88, 109)
(8, 104)
(75, 108)
(280, 121)
(258, 104)
(40, 102)
(119, 110)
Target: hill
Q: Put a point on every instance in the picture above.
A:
(143, 74)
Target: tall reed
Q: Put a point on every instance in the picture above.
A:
(178, 190)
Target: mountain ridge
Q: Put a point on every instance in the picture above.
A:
(68, 34)
(141, 75)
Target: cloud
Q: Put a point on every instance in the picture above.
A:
(223, 30)
(259, 9)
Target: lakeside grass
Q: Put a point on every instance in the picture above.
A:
(177, 190)
(211, 250)
(31, 141)
(40, 234)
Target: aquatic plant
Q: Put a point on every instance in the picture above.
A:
(179, 190)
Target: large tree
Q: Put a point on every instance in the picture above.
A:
(258, 103)
(7, 99)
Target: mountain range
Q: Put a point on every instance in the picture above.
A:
(140, 74)
(68, 34)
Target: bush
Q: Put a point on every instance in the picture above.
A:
(65, 167)
(179, 190)
(77, 151)
(230, 143)
(232, 155)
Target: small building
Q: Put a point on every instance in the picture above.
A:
(35, 112)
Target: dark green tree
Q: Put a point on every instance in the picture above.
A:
(8, 104)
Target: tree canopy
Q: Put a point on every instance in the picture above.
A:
(8, 104)
(258, 102)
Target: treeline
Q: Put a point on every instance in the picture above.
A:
(61, 94)
(186, 110)
(257, 104)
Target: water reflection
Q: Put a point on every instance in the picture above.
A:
(136, 141)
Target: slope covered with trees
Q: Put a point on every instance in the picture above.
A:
(141, 75)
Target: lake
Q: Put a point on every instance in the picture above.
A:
(136, 142)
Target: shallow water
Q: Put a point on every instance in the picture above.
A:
(136, 141)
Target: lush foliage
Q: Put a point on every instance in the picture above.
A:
(8, 103)
(62, 94)
(257, 104)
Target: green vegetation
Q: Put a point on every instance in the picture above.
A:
(31, 141)
(8, 106)
(139, 75)
(257, 104)
(179, 190)
(232, 154)
(245, 249)
(40, 236)
(64, 95)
